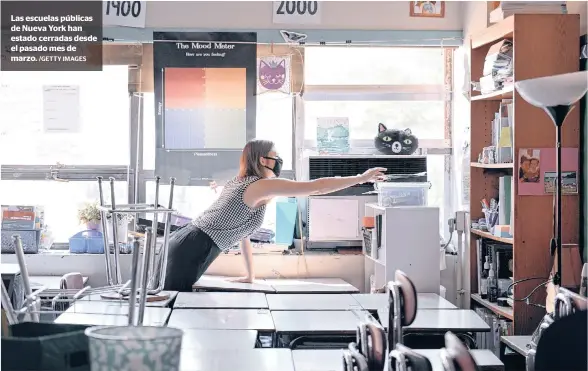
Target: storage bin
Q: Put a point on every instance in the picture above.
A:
(402, 194)
(30, 239)
(87, 242)
(45, 346)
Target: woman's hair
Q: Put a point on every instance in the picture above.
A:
(249, 165)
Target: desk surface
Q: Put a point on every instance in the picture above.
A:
(312, 302)
(241, 360)
(153, 317)
(222, 319)
(322, 322)
(218, 339)
(9, 269)
(424, 301)
(221, 283)
(50, 282)
(311, 286)
(442, 320)
(221, 300)
(161, 304)
(517, 343)
(331, 359)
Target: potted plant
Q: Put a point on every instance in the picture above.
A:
(122, 226)
(89, 215)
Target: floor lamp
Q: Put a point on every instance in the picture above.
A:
(557, 96)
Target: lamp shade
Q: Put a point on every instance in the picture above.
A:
(557, 90)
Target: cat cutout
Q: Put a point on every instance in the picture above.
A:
(395, 142)
(272, 74)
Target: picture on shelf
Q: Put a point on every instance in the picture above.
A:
(569, 182)
(530, 165)
(431, 9)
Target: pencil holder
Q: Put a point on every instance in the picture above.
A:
(142, 348)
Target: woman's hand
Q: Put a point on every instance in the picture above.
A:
(243, 279)
(373, 175)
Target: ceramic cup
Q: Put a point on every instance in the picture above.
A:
(141, 348)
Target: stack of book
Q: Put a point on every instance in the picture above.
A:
(508, 8)
(498, 67)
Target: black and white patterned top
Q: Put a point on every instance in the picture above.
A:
(228, 220)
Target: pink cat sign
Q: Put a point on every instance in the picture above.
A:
(273, 74)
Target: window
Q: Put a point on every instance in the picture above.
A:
(424, 118)
(103, 134)
(351, 65)
(61, 201)
(274, 122)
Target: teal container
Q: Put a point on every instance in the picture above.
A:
(286, 211)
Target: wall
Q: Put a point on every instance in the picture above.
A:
(356, 15)
(347, 267)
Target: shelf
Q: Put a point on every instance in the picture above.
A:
(508, 166)
(490, 236)
(505, 93)
(506, 312)
(503, 29)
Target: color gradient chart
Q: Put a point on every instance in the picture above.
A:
(205, 108)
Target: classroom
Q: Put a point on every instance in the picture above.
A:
(294, 185)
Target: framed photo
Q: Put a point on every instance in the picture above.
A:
(427, 9)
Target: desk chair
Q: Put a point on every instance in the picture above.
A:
(371, 343)
(455, 356)
(403, 307)
(566, 303)
(403, 359)
(353, 360)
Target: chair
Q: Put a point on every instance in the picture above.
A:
(455, 356)
(371, 343)
(403, 359)
(353, 360)
(403, 307)
(563, 344)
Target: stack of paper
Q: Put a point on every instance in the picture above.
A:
(508, 8)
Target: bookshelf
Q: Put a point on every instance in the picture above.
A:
(544, 45)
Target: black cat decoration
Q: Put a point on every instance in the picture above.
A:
(395, 142)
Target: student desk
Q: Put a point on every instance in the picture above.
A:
(203, 340)
(332, 359)
(374, 302)
(440, 321)
(516, 343)
(332, 327)
(49, 282)
(98, 298)
(220, 283)
(222, 319)
(237, 360)
(311, 286)
(312, 302)
(221, 300)
(114, 317)
(12, 280)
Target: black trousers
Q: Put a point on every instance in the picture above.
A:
(190, 253)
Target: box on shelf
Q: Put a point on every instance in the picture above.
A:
(402, 194)
(87, 242)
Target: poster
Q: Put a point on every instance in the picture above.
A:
(205, 107)
(61, 108)
(332, 135)
(274, 74)
(537, 171)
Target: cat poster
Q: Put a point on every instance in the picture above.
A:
(332, 135)
(273, 74)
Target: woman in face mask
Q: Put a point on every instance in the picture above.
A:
(239, 211)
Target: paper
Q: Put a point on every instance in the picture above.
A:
(61, 108)
(333, 219)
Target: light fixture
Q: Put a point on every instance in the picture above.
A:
(556, 95)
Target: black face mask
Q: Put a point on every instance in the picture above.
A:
(278, 162)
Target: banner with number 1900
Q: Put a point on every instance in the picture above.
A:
(124, 13)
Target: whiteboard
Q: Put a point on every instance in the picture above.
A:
(333, 219)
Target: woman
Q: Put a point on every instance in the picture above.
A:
(239, 211)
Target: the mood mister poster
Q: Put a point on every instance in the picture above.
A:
(204, 103)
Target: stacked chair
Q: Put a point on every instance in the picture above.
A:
(374, 350)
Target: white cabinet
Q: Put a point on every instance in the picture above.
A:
(409, 242)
